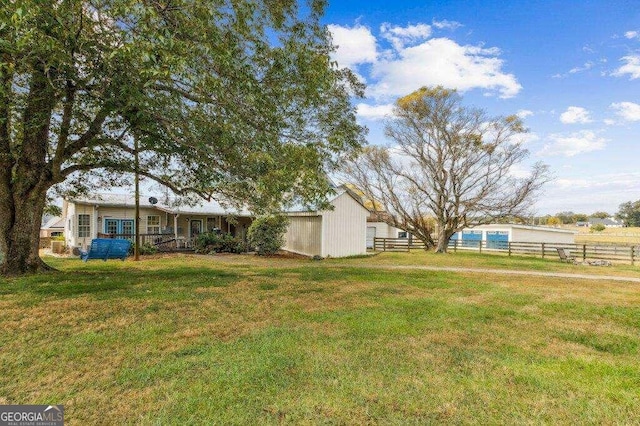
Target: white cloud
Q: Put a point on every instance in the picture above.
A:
(587, 66)
(400, 36)
(441, 61)
(632, 34)
(444, 24)
(609, 121)
(631, 67)
(589, 193)
(573, 144)
(574, 115)
(629, 111)
(374, 112)
(356, 45)
(524, 113)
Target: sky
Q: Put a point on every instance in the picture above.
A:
(569, 69)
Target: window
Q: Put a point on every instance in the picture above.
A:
(402, 234)
(153, 224)
(84, 225)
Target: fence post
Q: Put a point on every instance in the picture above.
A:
(384, 244)
(509, 247)
(633, 250)
(584, 252)
(543, 250)
(480, 246)
(455, 245)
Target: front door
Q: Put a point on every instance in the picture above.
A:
(195, 227)
(119, 226)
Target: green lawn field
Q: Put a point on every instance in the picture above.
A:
(241, 340)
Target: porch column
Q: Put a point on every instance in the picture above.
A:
(175, 226)
(94, 232)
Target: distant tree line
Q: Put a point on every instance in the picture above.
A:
(628, 213)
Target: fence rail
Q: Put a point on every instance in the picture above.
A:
(163, 242)
(584, 252)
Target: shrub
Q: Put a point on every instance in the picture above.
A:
(598, 227)
(214, 242)
(145, 249)
(266, 234)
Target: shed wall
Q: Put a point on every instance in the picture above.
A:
(304, 235)
(541, 236)
(345, 228)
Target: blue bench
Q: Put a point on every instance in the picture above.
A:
(107, 248)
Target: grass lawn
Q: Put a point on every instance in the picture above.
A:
(622, 236)
(240, 340)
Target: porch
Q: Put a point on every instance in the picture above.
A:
(174, 232)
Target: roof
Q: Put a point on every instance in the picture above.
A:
(202, 206)
(338, 191)
(606, 221)
(54, 222)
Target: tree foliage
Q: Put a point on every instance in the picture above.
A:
(237, 99)
(450, 163)
(629, 213)
(266, 233)
(554, 221)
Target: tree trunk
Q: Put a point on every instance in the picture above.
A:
(444, 235)
(25, 179)
(20, 240)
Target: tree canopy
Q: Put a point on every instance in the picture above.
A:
(450, 164)
(237, 99)
(629, 213)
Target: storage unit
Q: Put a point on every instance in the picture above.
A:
(497, 236)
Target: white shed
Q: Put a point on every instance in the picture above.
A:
(378, 229)
(496, 234)
(329, 233)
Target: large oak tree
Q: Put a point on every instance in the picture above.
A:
(451, 166)
(230, 97)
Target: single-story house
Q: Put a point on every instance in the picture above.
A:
(52, 226)
(338, 232)
(114, 214)
(609, 222)
(498, 235)
(329, 233)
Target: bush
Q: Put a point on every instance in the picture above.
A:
(266, 234)
(213, 242)
(145, 249)
(598, 227)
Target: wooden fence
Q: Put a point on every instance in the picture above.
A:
(582, 252)
(162, 242)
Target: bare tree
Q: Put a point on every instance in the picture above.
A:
(451, 163)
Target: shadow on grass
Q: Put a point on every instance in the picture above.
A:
(106, 283)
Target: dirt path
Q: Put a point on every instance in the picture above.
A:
(506, 272)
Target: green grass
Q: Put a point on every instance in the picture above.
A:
(241, 340)
(470, 259)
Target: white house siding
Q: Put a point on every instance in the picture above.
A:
(542, 236)
(71, 225)
(344, 229)
(304, 235)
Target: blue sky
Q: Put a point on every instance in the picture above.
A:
(570, 69)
